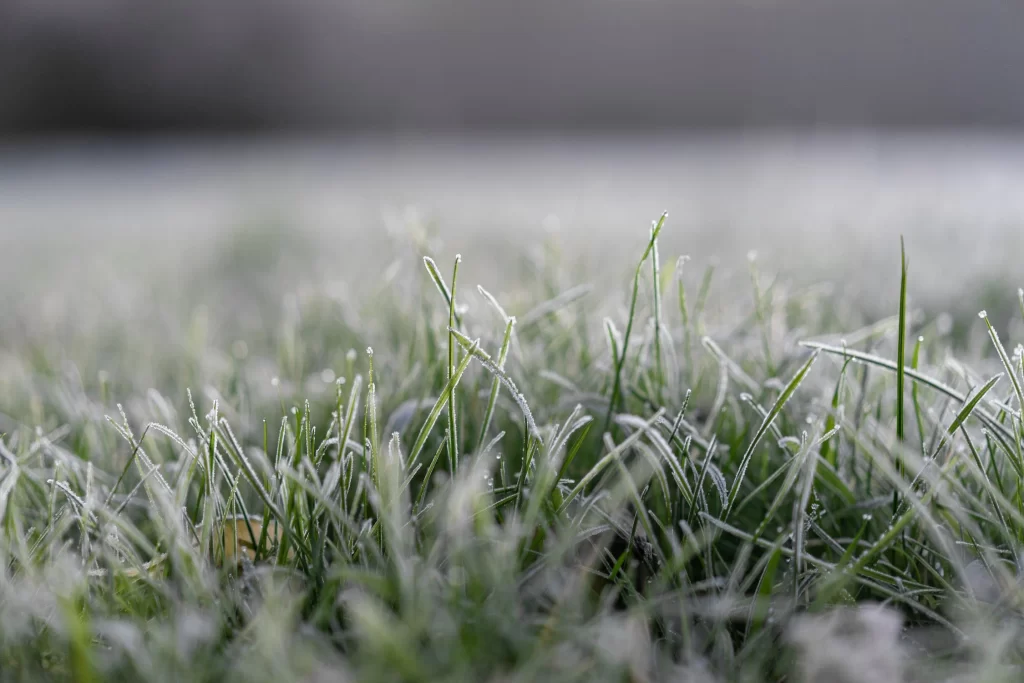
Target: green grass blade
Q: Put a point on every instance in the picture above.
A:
(474, 350)
(442, 288)
(453, 442)
(620, 361)
(659, 371)
(442, 401)
(901, 354)
(1005, 359)
(915, 398)
(608, 459)
(997, 427)
(780, 403)
(492, 399)
(970, 405)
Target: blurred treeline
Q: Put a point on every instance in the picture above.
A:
(394, 64)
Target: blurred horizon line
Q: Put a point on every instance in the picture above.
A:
(606, 135)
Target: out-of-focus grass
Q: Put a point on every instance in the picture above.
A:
(649, 474)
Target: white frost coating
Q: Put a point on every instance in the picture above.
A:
(718, 479)
(507, 381)
(516, 395)
(680, 262)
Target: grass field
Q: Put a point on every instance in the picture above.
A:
(595, 474)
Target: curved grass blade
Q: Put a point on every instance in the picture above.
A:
(998, 428)
(474, 350)
(439, 282)
(966, 411)
(608, 459)
(780, 403)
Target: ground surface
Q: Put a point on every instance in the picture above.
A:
(704, 496)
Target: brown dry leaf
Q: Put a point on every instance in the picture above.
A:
(240, 536)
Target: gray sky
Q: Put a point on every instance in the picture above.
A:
(422, 64)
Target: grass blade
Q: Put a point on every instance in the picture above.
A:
(442, 401)
(780, 403)
(492, 400)
(608, 459)
(1005, 359)
(621, 360)
(901, 355)
(993, 424)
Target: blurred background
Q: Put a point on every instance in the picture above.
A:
(812, 132)
(386, 65)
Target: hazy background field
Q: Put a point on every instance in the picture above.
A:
(825, 206)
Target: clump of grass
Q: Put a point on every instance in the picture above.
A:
(552, 499)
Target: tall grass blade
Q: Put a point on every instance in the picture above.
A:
(620, 361)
